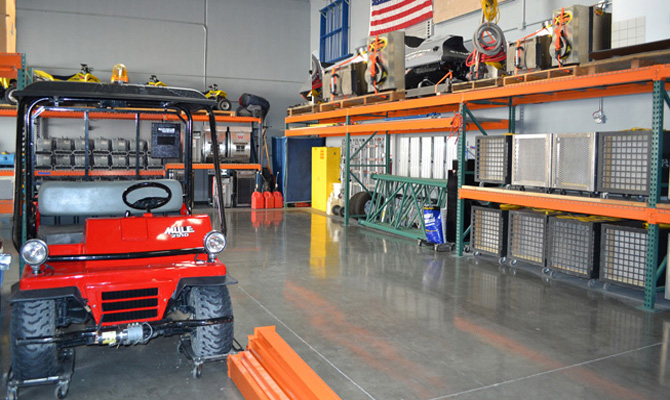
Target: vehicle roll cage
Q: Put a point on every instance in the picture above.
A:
(88, 98)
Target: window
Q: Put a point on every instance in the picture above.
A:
(334, 35)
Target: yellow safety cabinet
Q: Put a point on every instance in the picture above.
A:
(325, 172)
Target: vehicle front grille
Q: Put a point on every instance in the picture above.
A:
(129, 305)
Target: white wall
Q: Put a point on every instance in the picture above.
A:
(253, 46)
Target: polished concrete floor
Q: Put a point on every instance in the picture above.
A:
(379, 318)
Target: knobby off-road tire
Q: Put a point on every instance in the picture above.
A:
(211, 302)
(33, 319)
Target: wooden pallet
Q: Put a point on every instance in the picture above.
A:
(348, 102)
(541, 75)
(219, 113)
(478, 84)
(625, 62)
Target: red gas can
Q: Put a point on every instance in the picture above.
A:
(279, 199)
(269, 200)
(257, 201)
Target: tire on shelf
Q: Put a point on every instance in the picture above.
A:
(211, 302)
(9, 94)
(33, 319)
(357, 203)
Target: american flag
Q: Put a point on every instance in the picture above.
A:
(391, 15)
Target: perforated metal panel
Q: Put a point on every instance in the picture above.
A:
(573, 246)
(623, 256)
(624, 162)
(531, 160)
(492, 159)
(574, 161)
(527, 234)
(487, 232)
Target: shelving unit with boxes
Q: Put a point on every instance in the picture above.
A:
(630, 163)
(587, 82)
(122, 148)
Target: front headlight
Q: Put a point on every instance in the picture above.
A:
(34, 252)
(215, 242)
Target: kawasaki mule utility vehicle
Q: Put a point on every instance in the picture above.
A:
(112, 262)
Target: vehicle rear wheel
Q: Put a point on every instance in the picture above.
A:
(33, 319)
(211, 302)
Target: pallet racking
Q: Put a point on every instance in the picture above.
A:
(390, 117)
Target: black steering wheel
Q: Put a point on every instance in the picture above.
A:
(147, 203)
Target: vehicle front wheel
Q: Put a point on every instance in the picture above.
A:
(211, 302)
(32, 319)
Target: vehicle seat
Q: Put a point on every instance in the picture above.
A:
(64, 206)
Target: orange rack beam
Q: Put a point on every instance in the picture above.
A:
(10, 64)
(403, 126)
(269, 369)
(584, 205)
(557, 89)
(98, 172)
(11, 112)
(257, 167)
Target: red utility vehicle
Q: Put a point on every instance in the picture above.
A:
(112, 262)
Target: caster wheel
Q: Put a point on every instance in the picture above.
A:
(545, 271)
(502, 260)
(452, 247)
(477, 254)
(61, 391)
(197, 371)
(508, 187)
(553, 274)
(466, 249)
(606, 286)
(514, 262)
(12, 394)
(591, 283)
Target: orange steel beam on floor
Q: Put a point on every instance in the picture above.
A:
(401, 126)
(559, 86)
(211, 166)
(7, 172)
(583, 205)
(270, 369)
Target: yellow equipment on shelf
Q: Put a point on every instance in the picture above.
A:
(325, 172)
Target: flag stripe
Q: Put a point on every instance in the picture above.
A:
(391, 28)
(391, 15)
(418, 7)
(377, 10)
